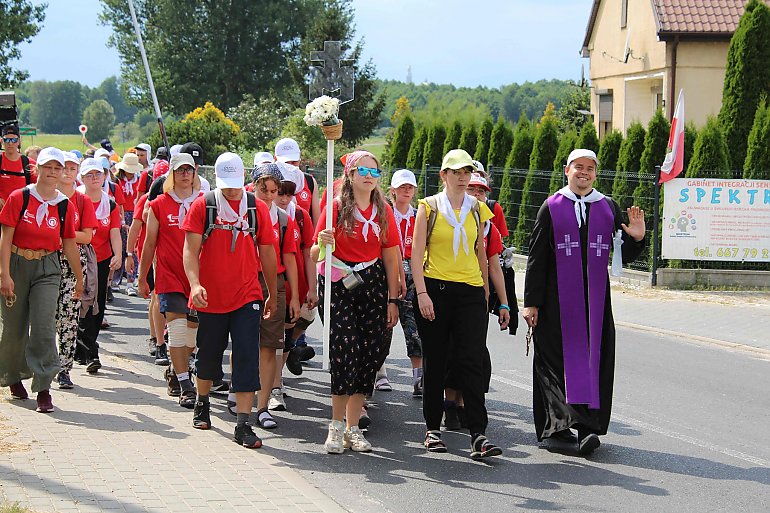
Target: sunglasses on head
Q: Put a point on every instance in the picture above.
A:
(287, 189)
(363, 171)
(11, 139)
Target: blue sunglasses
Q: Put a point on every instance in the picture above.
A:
(363, 171)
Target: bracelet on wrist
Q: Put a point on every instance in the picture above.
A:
(421, 293)
(503, 306)
(393, 301)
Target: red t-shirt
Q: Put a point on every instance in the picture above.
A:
(138, 211)
(353, 248)
(231, 279)
(10, 183)
(141, 187)
(28, 235)
(169, 267)
(101, 238)
(129, 199)
(289, 245)
(407, 234)
(499, 220)
(303, 237)
(493, 243)
(304, 197)
(85, 216)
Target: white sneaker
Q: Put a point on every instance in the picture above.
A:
(354, 439)
(276, 401)
(335, 439)
(130, 291)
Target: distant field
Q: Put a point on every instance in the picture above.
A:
(68, 142)
(375, 145)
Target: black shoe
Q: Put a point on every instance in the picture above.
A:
(417, 389)
(161, 355)
(220, 387)
(172, 383)
(451, 419)
(589, 444)
(231, 408)
(187, 399)
(245, 436)
(293, 362)
(93, 366)
(305, 353)
(565, 436)
(152, 344)
(201, 415)
(364, 421)
(110, 297)
(483, 448)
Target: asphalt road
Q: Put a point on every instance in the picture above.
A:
(687, 433)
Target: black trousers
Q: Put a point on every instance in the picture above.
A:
(458, 333)
(91, 324)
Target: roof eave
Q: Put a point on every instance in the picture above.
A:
(694, 36)
(590, 28)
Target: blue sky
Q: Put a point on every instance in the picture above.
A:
(484, 42)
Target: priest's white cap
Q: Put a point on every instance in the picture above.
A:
(582, 153)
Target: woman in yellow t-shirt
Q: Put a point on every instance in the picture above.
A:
(451, 309)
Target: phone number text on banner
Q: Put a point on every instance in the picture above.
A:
(711, 219)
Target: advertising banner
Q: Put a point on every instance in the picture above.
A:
(716, 219)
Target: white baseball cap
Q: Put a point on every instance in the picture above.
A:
(479, 167)
(101, 152)
(49, 154)
(229, 171)
(582, 153)
(287, 150)
(402, 177)
(479, 181)
(90, 165)
(175, 149)
(146, 147)
(71, 157)
(263, 157)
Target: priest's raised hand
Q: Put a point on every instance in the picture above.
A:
(635, 227)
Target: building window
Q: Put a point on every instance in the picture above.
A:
(604, 121)
(623, 13)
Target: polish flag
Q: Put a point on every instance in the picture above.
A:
(674, 162)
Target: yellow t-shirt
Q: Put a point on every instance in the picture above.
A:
(443, 265)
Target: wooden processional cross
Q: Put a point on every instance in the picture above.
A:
(330, 75)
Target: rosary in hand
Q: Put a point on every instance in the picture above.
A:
(10, 300)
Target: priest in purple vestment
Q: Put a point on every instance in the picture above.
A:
(578, 233)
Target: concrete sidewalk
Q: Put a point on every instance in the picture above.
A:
(118, 443)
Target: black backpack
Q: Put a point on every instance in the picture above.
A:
(310, 182)
(61, 206)
(26, 173)
(491, 204)
(211, 216)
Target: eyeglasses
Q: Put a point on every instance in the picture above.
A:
(287, 189)
(11, 140)
(93, 176)
(185, 170)
(363, 171)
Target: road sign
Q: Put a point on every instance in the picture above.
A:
(27, 130)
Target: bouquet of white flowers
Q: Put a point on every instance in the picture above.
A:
(322, 111)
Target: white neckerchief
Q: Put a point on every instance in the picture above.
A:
(446, 210)
(226, 213)
(487, 228)
(273, 214)
(367, 222)
(103, 210)
(291, 210)
(295, 174)
(400, 217)
(184, 204)
(128, 185)
(42, 210)
(580, 203)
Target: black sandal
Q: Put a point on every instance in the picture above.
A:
(265, 420)
(433, 442)
(188, 398)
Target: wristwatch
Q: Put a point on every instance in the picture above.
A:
(393, 301)
(129, 254)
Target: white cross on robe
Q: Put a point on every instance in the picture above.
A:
(568, 245)
(598, 245)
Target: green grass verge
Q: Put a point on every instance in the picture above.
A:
(376, 145)
(14, 508)
(68, 142)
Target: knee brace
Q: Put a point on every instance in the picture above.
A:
(192, 337)
(177, 333)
